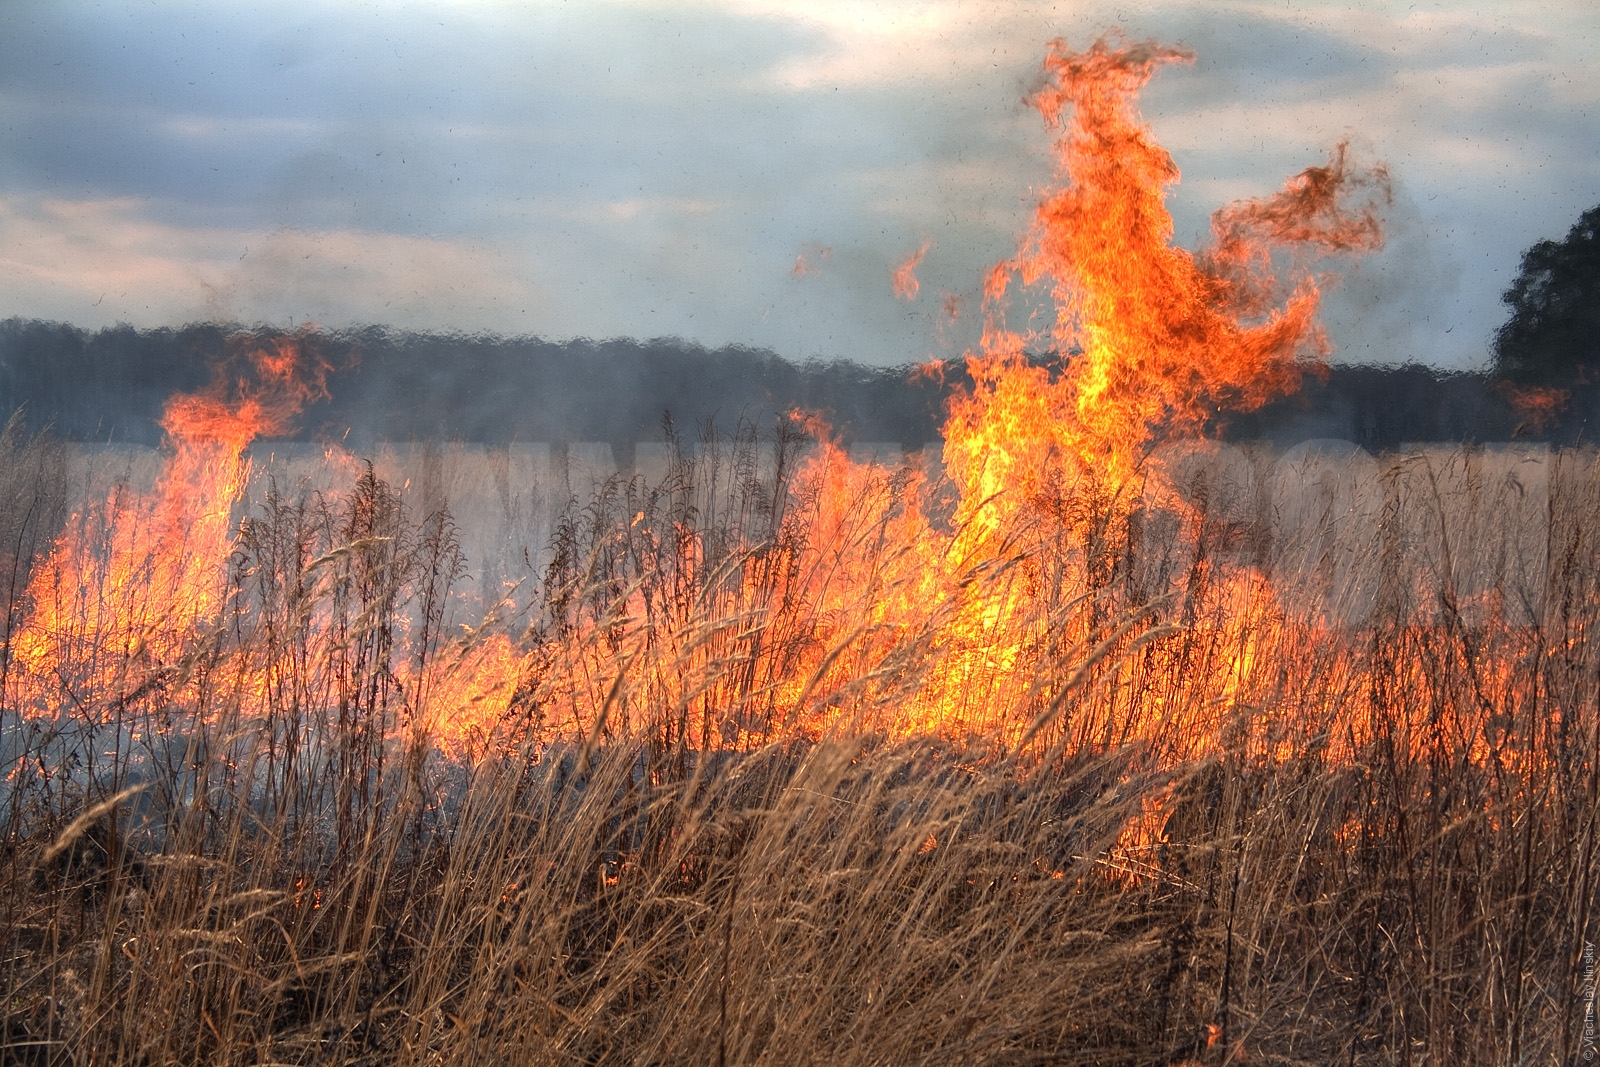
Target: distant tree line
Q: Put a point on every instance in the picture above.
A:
(1382, 408)
(110, 385)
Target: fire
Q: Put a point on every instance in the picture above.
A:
(1537, 405)
(904, 278)
(855, 601)
(1086, 714)
(809, 260)
(1147, 336)
(1147, 339)
(137, 576)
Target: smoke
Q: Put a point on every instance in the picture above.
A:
(1401, 304)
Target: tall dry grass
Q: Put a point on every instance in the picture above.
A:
(1348, 817)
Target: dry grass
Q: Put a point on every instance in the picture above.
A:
(1239, 834)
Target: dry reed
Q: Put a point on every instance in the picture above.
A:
(1200, 823)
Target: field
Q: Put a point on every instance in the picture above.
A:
(1195, 819)
(1077, 739)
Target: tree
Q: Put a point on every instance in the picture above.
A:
(1552, 339)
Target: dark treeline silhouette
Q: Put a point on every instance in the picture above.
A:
(1382, 408)
(1552, 338)
(110, 385)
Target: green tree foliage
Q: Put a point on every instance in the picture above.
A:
(1553, 335)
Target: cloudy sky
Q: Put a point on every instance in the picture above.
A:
(742, 171)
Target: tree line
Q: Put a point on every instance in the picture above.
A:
(109, 385)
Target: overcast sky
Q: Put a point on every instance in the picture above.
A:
(661, 167)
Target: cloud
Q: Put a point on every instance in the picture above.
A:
(96, 262)
(653, 166)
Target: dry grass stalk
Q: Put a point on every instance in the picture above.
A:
(1196, 823)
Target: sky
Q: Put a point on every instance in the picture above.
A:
(739, 172)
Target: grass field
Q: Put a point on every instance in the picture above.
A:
(1268, 773)
(1058, 749)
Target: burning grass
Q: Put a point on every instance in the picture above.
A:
(1070, 752)
(1227, 831)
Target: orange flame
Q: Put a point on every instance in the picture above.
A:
(142, 573)
(879, 596)
(1536, 405)
(1147, 337)
(869, 594)
(904, 278)
(808, 261)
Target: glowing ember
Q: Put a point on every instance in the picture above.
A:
(808, 261)
(1536, 405)
(904, 278)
